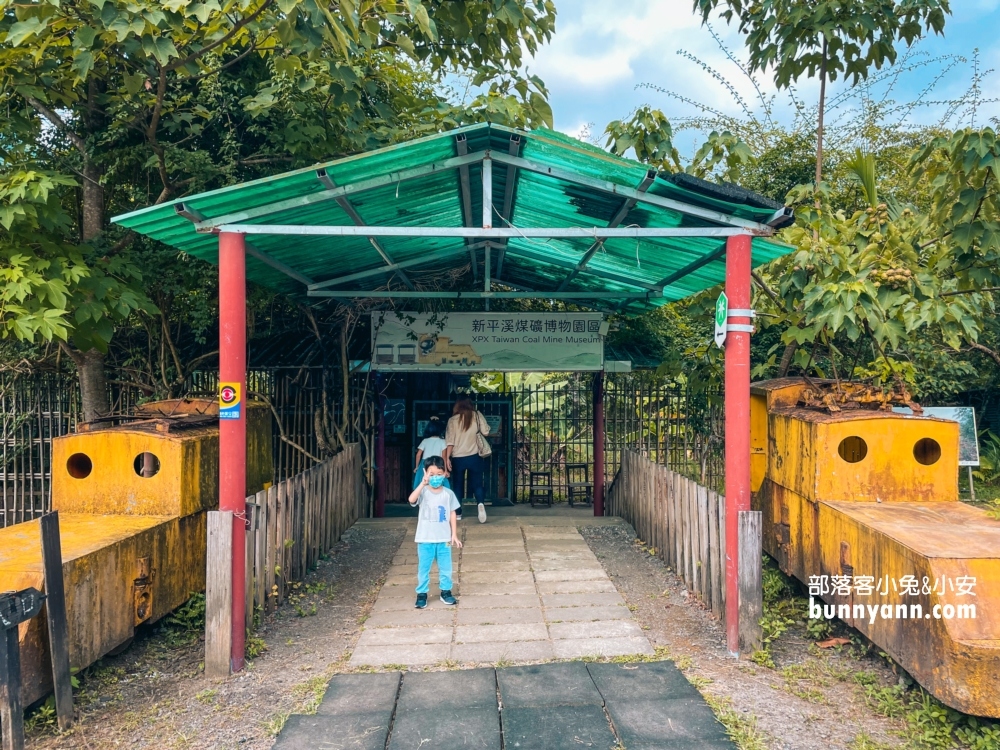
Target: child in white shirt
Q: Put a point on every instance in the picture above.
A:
(432, 445)
(437, 530)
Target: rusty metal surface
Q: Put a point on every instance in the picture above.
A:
(886, 515)
(133, 546)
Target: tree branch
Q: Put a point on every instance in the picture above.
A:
(181, 62)
(52, 116)
(995, 356)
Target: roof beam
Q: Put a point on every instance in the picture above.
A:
(609, 275)
(351, 211)
(394, 268)
(340, 230)
(462, 146)
(211, 224)
(610, 187)
(693, 266)
(514, 149)
(383, 294)
(617, 219)
(194, 216)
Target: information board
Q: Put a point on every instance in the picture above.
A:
(492, 342)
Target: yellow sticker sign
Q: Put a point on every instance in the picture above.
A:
(230, 400)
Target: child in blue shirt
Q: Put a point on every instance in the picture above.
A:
(437, 530)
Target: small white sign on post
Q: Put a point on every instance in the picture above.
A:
(721, 319)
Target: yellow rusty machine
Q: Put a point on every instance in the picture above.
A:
(132, 499)
(864, 505)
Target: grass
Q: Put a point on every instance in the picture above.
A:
(741, 728)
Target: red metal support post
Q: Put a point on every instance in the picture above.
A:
(380, 477)
(233, 431)
(737, 395)
(598, 443)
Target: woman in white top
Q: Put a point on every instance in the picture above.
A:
(462, 458)
(432, 445)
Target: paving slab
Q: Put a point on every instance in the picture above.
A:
(582, 600)
(360, 694)
(495, 653)
(429, 691)
(557, 728)
(579, 647)
(498, 616)
(644, 681)
(576, 587)
(352, 732)
(566, 684)
(499, 576)
(486, 589)
(410, 654)
(413, 617)
(528, 631)
(405, 636)
(571, 574)
(500, 600)
(586, 614)
(660, 723)
(445, 727)
(598, 629)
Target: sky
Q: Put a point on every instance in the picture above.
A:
(604, 56)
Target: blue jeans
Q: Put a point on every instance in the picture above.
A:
(474, 465)
(428, 552)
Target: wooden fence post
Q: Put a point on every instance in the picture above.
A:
(751, 605)
(715, 552)
(219, 594)
(55, 608)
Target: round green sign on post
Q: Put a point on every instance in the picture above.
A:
(721, 316)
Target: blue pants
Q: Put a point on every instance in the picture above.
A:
(474, 465)
(428, 552)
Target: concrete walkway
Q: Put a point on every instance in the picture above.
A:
(529, 590)
(563, 706)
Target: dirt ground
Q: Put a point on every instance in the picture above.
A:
(154, 695)
(809, 701)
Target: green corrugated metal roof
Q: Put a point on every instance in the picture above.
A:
(435, 199)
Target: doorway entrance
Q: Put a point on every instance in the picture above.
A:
(498, 479)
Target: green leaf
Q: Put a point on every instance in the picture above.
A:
(21, 30)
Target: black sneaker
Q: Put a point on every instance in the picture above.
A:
(458, 516)
(421, 601)
(447, 598)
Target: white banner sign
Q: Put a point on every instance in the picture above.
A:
(495, 342)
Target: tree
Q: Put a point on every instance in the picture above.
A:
(829, 38)
(106, 89)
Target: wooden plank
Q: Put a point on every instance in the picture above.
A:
(55, 607)
(695, 540)
(750, 582)
(714, 554)
(269, 548)
(219, 594)
(260, 553)
(249, 545)
(672, 521)
(11, 710)
(686, 534)
(722, 546)
(280, 562)
(703, 545)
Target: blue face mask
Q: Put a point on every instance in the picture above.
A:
(436, 481)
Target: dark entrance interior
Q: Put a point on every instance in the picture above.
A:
(411, 399)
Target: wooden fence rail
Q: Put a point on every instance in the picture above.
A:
(291, 525)
(685, 523)
(295, 522)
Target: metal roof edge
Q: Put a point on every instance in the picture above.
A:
(319, 165)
